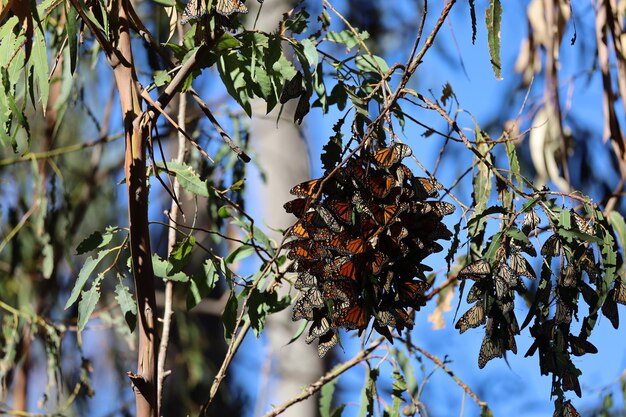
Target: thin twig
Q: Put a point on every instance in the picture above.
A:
(171, 242)
(325, 379)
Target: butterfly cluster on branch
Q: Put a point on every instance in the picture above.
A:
(359, 242)
(567, 256)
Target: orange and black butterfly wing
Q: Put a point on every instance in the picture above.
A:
(306, 189)
(228, 7)
(353, 317)
(297, 207)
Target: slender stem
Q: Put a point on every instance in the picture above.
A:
(171, 242)
(325, 379)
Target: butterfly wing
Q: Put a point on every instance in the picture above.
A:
(228, 7)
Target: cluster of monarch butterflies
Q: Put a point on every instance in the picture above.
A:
(555, 302)
(359, 243)
(552, 332)
(493, 295)
(196, 9)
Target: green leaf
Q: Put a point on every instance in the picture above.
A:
(326, 397)
(162, 270)
(71, 29)
(617, 221)
(87, 305)
(493, 18)
(187, 178)
(511, 153)
(298, 333)
(201, 286)
(234, 72)
(482, 183)
(127, 304)
(494, 245)
(85, 272)
(262, 304)
(226, 42)
(180, 254)
(310, 52)
(347, 38)
(372, 63)
(332, 150)
(161, 78)
(240, 253)
(368, 394)
(48, 257)
(96, 240)
(229, 317)
(39, 63)
(407, 370)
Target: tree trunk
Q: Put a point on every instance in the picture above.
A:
(284, 159)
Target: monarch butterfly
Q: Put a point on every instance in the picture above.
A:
(369, 227)
(292, 88)
(306, 250)
(337, 242)
(378, 262)
(552, 246)
(530, 222)
(194, 10)
(318, 328)
(620, 291)
(228, 7)
(425, 188)
(307, 189)
(403, 173)
(566, 410)
(488, 350)
(584, 226)
(569, 381)
(353, 317)
(297, 207)
(343, 267)
(581, 346)
(397, 232)
(321, 218)
(505, 279)
(389, 156)
(303, 308)
(411, 291)
(342, 209)
(326, 342)
(476, 270)
(609, 309)
(305, 280)
(520, 265)
(385, 318)
(380, 185)
(385, 215)
(568, 277)
(339, 290)
(475, 293)
(299, 231)
(472, 318)
(302, 109)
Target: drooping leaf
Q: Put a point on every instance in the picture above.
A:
(229, 317)
(180, 255)
(165, 270)
(127, 304)
(187, 178)
(85, 272)
(493, 18)
(87, 305)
